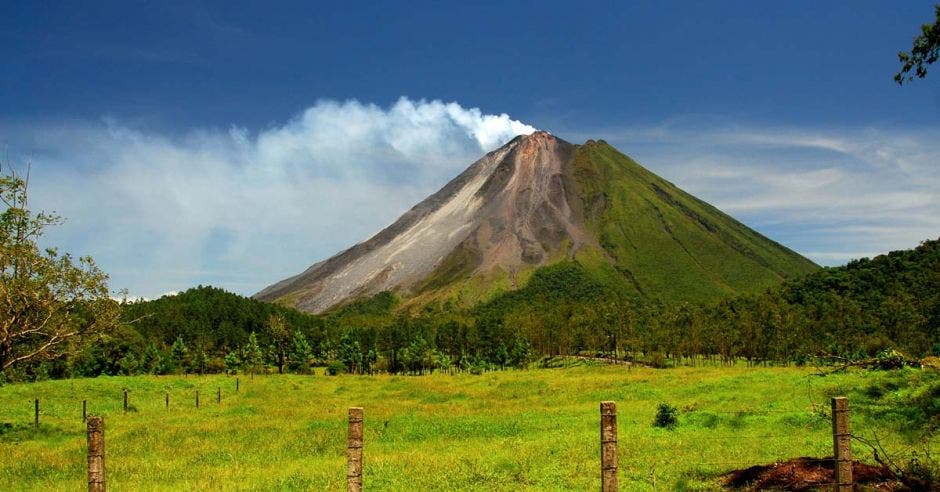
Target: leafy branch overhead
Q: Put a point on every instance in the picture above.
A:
(925, 51)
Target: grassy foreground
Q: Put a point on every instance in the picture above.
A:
(510, 430)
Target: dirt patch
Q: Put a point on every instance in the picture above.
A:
(804, 474)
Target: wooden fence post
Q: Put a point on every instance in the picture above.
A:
(218, 398)
(608, 446)
(236, 385)
(84, 409)
(354, 474)
(36, 412)
(842, 445)
(167, 400)
(125, 401)
(197, 398)
(95, 454)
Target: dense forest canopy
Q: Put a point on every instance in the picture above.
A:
(890, 302)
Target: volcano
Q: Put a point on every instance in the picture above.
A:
(539, 200)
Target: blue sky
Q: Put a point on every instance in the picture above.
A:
(234, 144)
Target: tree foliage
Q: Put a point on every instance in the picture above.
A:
(868, 307)
(925, 50)
(47, 298)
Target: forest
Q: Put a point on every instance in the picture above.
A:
(887, 304)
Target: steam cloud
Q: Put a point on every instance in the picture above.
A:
(241, 210)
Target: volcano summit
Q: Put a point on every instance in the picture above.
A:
(539, 200)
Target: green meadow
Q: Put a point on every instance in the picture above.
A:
(509, 430)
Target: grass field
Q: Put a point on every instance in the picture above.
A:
(512, 430)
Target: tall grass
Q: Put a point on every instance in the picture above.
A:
(513, 430)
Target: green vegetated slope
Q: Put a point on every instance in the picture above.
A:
(909, 276)
(652, 242)
(669, 245)
(891, 299)
(210, 318)
(506, 430)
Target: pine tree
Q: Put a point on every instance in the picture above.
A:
(252, 354)
(300, 352)
(153, 360)
(200, 361)
(233, 362)
(129, 364)
(180, 355)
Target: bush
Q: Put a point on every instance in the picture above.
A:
(801, 360)
(893, 359)
(336, 367)
(667, 416)
(657, 360)
(215, 365)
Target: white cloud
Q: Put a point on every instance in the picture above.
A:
(240, 209)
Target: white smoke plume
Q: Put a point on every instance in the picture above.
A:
(239, 209)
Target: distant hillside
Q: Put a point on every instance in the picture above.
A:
(859, 310)
(891, 299)
(911, 276)
(539, 201)
(670, 245)
(212, 318)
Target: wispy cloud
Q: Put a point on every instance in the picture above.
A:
(241, 209)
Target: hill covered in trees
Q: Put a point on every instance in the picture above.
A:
(854, 311)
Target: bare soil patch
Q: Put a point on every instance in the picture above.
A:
(804, 474)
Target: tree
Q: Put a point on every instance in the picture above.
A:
(350, 354)
(280, 338)
(180, 355)
(153, 359)
(232, 362)
(925, 51)
(46, 298)
(252, 356)
(200, 360)
(300, 352)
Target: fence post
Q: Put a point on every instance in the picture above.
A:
(36, 412)
(608, 446)
(842, 445)
(125, 401)
(168, 400)
(84, 409)
(95, 454)
(354, 474)
(218, 398)
(236, 385)
(197, 398)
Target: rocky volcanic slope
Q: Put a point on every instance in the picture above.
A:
(539, 200)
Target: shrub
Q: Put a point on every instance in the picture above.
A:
(874, 391)
(215, 365)
(893, 359)
(336, 367)
(657, 360)
(667, 416)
